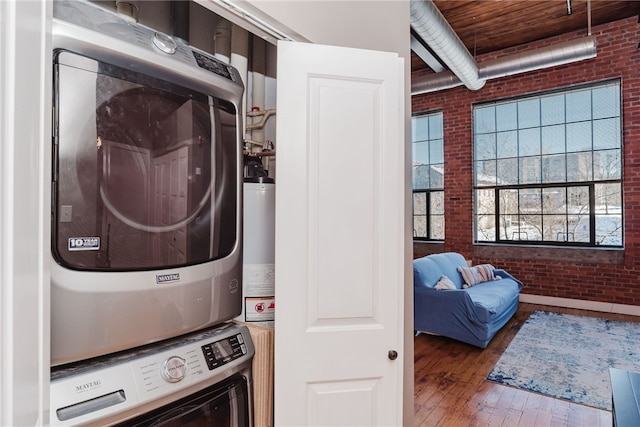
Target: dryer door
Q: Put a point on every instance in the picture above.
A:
(223, 405)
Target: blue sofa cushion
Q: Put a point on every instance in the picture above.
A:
(490, 298)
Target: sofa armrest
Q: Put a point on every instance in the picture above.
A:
(433, 306)
(498, 272)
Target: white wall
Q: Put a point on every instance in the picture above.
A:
(24, 205)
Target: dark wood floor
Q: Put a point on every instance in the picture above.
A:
(451, 387)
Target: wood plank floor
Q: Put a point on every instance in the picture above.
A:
(451, 388)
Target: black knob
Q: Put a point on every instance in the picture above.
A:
(393, 355)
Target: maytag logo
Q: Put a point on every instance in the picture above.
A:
(88, 386)
(167, 278)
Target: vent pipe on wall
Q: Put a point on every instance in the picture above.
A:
(550, 56)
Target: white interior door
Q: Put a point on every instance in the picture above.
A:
(340, 201)
(170, 198)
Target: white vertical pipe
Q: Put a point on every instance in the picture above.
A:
(239, 60)
(258, 81)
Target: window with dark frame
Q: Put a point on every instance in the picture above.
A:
(427, 137)
(548, 168)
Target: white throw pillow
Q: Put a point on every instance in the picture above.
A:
(444, 283)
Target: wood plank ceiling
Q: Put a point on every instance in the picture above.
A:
(490, 25)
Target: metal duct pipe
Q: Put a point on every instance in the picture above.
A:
(433, 82)
(538, 59)
(428, 23)
(550, 56)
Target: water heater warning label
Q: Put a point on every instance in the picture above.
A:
(260, 309)
(84, 243)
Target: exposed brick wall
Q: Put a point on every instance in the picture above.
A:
(611, 276)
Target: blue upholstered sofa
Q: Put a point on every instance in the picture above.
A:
(472, 314)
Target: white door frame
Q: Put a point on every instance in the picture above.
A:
(25, 176)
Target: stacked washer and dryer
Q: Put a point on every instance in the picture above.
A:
(146, 227)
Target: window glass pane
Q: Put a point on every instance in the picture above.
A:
(607, 165)
(529, 113)
(579, 137)
(485, 147)
(436, 151)
(484, 233)
(506, 117)
(435, 126)
(507, 144)
(578, 106)
(420, 226)
(554, 228)
(508, 202)
(530, 201)
(437, 176)
(419, 203)
(437, 227)
(484, 119)
(419, 128)
(486, 173)
(608, 214)
(485, 202)
(608, 199)
(552, 109)
(419, 215)
(507, 171)
(554, 201)
(606, 133)
(606, 101)
(553, 139)
(436, 215)
(420, 153)
(579, 167)
(530, 170)
(529, 142)
(609, 229)
(554, 168)
(437, 202)
(578, 228)
(420, 177)
(509, 227)
(578, 200)
(485, 209)
(530, 228)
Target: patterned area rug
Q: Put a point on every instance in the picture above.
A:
(568, 357)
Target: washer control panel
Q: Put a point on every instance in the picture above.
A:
(223, 351)
(174, 369)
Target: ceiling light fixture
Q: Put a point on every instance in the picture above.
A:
(569, 11)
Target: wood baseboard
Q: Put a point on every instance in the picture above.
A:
(605, 307)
